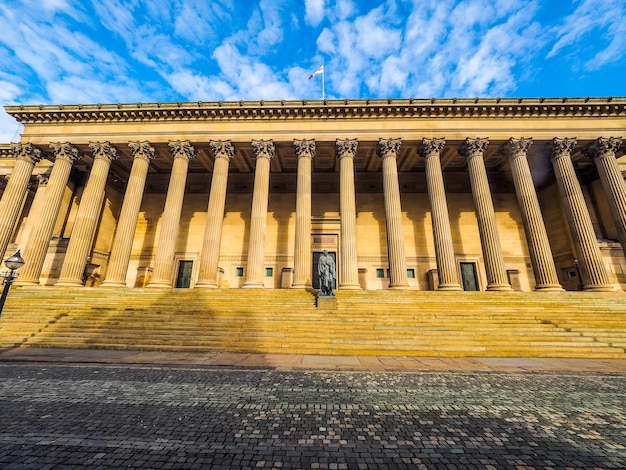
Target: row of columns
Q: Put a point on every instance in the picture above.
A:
(586, 247)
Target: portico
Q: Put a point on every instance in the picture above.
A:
(528, 193)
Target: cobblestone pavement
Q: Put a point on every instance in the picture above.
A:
(65, 416)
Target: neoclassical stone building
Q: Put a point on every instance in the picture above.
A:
(448, 194)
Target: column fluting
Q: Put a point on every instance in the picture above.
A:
(473, 150)
(183, 152)
(119, 259)
(87, 216)
(444, 249)
(12, 200)
(303, 263)
(348, 268)
(593, 271)
(546, 278)
(603, 152)
(209, 259)
(388, 150)
(265, 151)
(34, 253)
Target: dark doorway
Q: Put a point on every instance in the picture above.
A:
(316, 277)
(183, 280)
(468, 274)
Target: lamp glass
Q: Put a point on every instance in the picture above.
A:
(15, 261)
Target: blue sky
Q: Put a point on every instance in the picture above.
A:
(111, 51)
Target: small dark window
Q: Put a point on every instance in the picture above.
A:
(410, 273)
(239, 272)
(380, 272)
(269, 272)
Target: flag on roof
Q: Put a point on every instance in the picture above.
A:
(318, 71)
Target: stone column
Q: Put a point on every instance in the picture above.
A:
(473, 150)
(603, 152)
(348, 267)
(13, 196)
(119, 259)
(546, 278)
(34, 253)
(444, 250)
(265, 151)
(183, 152)
(303, 263)
(388, 151)
(592, 267)
(41, 182)
(87, 216)
(209, 260)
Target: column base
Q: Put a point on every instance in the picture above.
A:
(599, 288)
(549, 288)
(159, 285)
(449, 287)
(350, 287)
(26, 282)
(206, 285)
(400, 287)
(113, 284)
(253, 285)
(499, 288)
(68, 283)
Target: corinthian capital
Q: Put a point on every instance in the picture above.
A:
(346, 147)
(516, 147)
(473, 147)
(562, 147)
(605, 147)
(304, 148)
(182, 149)
(222, 149)
(103, 150)
(142, 150)
(65, 151)
(431, 147)
(388, 147)
(264, 148)
(26, 151)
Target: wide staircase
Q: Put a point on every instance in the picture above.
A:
(405, 323)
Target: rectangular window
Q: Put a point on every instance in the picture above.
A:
(410, 273)
(380, 272)
(388, 272)
(269, 272)
(239, 272)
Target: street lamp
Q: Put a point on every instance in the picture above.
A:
(14, 263)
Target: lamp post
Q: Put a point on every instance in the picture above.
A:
(14, 263)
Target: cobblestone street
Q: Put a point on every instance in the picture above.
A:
(113, 416)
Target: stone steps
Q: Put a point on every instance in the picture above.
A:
(287, 321)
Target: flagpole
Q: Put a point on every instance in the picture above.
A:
(323, 76)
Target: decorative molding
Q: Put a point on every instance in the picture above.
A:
(346, 147)
(264, 148)
(142, 150)
(516, 147)
(604, 146)
(388, 147)
(65, 150)
(182, 149)
(562, 147)
(222, 149)
(304, 147)
(103, 150)
(473, 147)
(431, 147)
(531, 108)
(26, 151)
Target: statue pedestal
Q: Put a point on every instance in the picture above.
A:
(326, 302)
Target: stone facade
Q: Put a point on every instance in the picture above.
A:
(501, 194)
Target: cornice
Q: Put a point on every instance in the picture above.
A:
(326, 109)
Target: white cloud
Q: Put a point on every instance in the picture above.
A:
(10, 129)
(315, 11)
(601, 19)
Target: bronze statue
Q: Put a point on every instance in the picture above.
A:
(327, 274)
